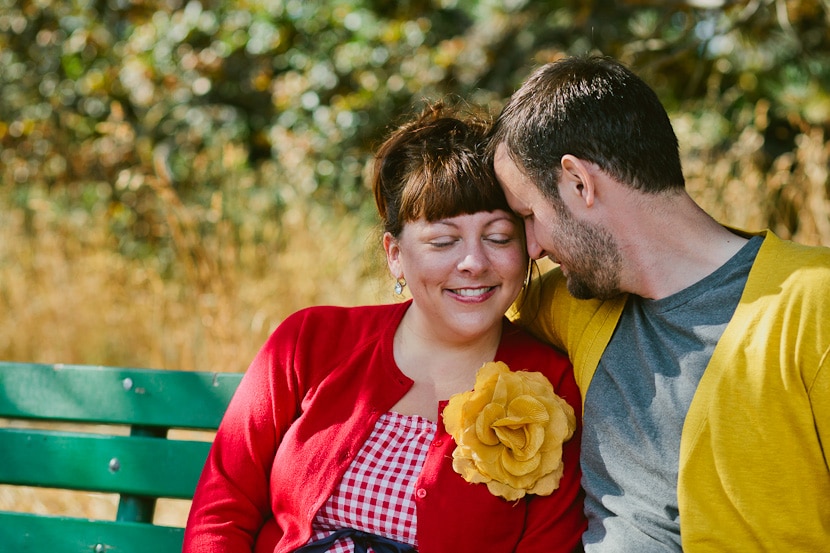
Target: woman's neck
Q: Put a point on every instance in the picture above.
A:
(439, 367)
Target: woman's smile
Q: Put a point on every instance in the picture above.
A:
(475, 294)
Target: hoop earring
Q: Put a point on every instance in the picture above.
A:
(399, 284)
(529, 274)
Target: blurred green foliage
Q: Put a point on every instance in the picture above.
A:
(148, 112)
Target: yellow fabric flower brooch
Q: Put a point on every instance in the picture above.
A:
(509, 432)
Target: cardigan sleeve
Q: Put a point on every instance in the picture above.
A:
(232, 499)
(820, 399)
(533, 310)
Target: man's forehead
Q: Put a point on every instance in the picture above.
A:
(508, 172)
(502, 155)
(515, 190)
(504, 165)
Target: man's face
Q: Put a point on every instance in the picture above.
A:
(587, 253)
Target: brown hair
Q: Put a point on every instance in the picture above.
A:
(434, 167)
(597, 109)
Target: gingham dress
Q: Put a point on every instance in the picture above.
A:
(377, 490)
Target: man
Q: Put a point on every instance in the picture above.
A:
(707, 349)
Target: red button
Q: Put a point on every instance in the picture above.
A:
(421, 493)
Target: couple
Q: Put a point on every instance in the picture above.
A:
(436, 425)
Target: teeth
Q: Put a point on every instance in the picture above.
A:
(472, 292)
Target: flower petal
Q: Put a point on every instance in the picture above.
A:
(548, 483)
(485, 432)
(528, 408)
(519, 468)
(508, 492)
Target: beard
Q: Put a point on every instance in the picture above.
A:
(592, 260)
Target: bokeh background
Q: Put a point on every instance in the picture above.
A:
(176, 176)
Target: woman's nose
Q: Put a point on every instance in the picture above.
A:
(473, 259)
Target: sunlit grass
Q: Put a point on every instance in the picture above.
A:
(68, 296)
(789, 194)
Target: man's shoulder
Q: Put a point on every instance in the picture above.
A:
(781, 259)
(789, 273)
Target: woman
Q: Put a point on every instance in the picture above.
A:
(341, 436)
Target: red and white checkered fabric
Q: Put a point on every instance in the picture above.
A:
(376, 493)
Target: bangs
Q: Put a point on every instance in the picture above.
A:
(433, 197)
(435, 168)
(446, 182)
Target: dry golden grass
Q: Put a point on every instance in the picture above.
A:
(69, 297)
(789, 195)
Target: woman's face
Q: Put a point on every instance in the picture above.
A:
(463, 272)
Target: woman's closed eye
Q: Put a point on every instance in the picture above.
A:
(443, 242)
(501, 239)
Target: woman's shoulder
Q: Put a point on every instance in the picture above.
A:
(320, 335)
(518, 335)
(335, 314)
(521, 346)
(338, 324)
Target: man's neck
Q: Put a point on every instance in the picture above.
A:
(668, 253)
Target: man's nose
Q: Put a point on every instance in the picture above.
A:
(534, 250)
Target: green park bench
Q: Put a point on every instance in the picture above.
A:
(54, 422)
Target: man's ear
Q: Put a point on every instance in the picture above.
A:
(393, 254)
(577, 181)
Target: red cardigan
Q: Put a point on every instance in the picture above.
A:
(305, 406)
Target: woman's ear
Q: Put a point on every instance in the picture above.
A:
(577, 181)
(393, 254)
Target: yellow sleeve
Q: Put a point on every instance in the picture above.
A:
(581, 328)
(820, 399)
(534, 309)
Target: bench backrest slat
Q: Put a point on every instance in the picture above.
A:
(115, 395)
(24, 532)
(101, 463)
